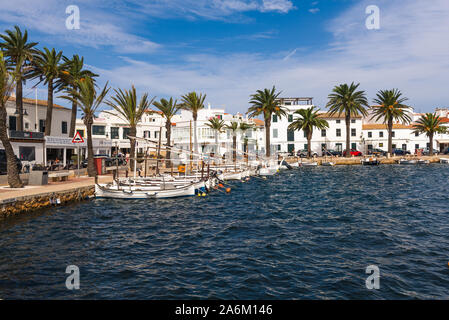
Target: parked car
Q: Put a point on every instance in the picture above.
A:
(353, 152)
(303, 153)
(331, 152)
(377, 152)
(3, 163)
(400, 152)
(427, 151)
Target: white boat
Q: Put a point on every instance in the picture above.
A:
(111, 192)
(407, 162)
(308, 164)
(370, 162)
(267, 171)
(444, 160)
(328, 164)
(422, 161)
(232, 176)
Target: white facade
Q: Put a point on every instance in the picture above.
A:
(334, 138)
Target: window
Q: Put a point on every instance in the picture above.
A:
(416, 134)
(275, 133)
(64, 127)
(81, 132)
(12, 123)
(41, 125)
(392, 134)
(275, 118)
(339, 147)
(381, 145)
(323, 147)
(147, 134)
(125, 133)
(428, 145)
(393, 146)
(279, 147)
(290, 118)
(352, 120)
(156, 134)
(98, 130)
(417, 146)
(323, 132)
(27, 153)
(370, 147)
(305, 134)
(381, 134)
(338, 121)
(27, 125)
(306, 146)
(354, 146)
(353, 132)
(370, 134)
(338, 132)
(404, 147)
(115, 133)
(290, 135)
(291, 147)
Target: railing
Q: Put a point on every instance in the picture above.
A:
(26, 135)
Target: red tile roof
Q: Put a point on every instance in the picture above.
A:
(39, 102)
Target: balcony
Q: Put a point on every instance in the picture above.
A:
(25, 135)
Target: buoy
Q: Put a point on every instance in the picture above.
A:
(221, 186)
(228, 190)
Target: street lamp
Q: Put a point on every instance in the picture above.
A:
(24, 112)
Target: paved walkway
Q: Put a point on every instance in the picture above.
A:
(8, 193)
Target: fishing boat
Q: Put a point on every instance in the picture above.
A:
(370, 162)
(308, 164)
(422, 161)
(138, 192)
(408, 161)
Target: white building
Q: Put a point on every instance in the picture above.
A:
(333, 138)
(108, 126)
(183, 135)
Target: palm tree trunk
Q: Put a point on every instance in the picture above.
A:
(348, 135)
(19, 103)
(90, 148)
(73, 119)
(267, 137)
(168, 153)
(13, 172)
(49, 108)
(234, 147)
(216, 143)
(195, 136)
(132, 141)
(309, 144)
(431, 144)
(390, 136)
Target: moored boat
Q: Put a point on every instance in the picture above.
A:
(408, 161)
(370, 162)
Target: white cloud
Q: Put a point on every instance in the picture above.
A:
(314, 10)
(410, 52)
(283, 6)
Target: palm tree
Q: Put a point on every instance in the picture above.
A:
(6, 87)
(429, 124)
(20, 53)
(308, 120)
(390, 108)
(217, 125)
(243, 128)
(48, 68)
(193, 103)
(168, 108)
(266, 102)
(131, 111)
(234, 127)
(344, 99)
(73, 71)
(87, 98)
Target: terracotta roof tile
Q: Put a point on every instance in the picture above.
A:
(39, 102)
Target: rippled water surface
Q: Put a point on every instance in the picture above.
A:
(307, 233)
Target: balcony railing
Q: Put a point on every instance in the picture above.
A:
(25, 135)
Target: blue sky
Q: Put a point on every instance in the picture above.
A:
(230, 48)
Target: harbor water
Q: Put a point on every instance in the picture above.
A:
(308, 233)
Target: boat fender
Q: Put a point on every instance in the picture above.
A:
(228, 190)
